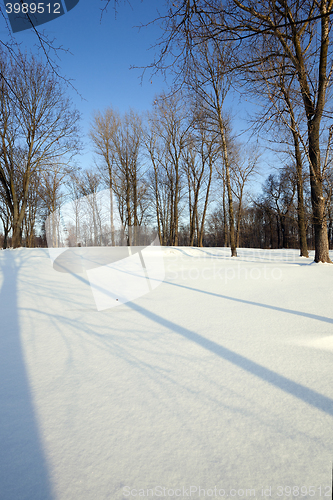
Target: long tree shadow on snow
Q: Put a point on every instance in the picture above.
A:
(316, 317)
(299, 391)
(23, 468)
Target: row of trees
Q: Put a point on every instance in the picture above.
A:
(38, 139)
(170, 170)
(277, 50)
(178, 168)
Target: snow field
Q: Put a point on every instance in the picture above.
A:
(221, 376)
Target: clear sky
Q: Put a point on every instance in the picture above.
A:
(101, 54)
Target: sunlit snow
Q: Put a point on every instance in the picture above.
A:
(218, 380)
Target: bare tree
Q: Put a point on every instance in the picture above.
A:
(200, 154)
(282, 119)
(51, 181)
(88, 184)
(279, 194)
(102, 133)
(39, 127)
(155, 155)
(299, 31)
(243, 168)
(207, 77)
(118, 141)
(5, 217)
(169, 132)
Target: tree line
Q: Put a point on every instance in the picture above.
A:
(280, 53)
(39, 137)
(179, 167)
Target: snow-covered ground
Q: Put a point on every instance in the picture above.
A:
(221, 378)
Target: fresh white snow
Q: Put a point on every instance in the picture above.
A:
(219, 377)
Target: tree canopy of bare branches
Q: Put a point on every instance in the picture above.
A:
(39, 128)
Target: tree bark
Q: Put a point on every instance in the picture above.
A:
(229, 192)
(317, 196)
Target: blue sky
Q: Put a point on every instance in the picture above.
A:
(101, 52)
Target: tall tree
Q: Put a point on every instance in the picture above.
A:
(118, 140)
(243, 168)
(283, 118)
(300, 30)
(170, 124)
(102, 133)
(208, 77)
(39, 127)
(279, 191)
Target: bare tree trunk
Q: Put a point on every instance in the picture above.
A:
(112, 216)
(5, 240)
(157, 203)
(135, 207)
(128, 205)
(239, 218)
(192, 207)
(206, 205)
(176, 200)
(284, 230)
(18, 217)
(194, 217)
(229, 192)
(299, 170)
(301, 212)
(225, 225)
(317, 197)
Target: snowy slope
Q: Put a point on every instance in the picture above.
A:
(220, 377)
